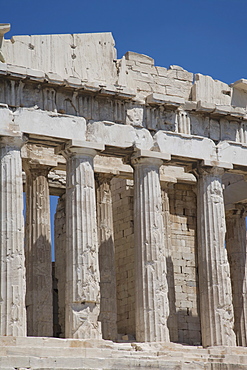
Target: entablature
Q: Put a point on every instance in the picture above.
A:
(117, 104)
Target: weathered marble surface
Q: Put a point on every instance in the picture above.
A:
(152, 308)
(236, 250)
(89, 56)
(12, 259)
(82, 291)
(217, 317)
(71, 354)
(108, 298)
(39, 300)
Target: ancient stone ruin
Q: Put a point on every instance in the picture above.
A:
(149, 165)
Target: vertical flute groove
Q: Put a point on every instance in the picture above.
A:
(108, 300)
(213, 267)
(152, 308)
(236, 249)
(82, 296)
(12, 268)
(39, 299)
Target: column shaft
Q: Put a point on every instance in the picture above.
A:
(82, 270)
(108, 298)
(216, 309)
(236, 249)
(172, 321)
(39, 299)
(60, 262)
(152, 308)
(12, 269)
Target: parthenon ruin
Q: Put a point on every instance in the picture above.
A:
(150, 166)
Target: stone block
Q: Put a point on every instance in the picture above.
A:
(156, 98)
(185, 76)
(3, 68)
(203, 106)
(132, 56)
(55, 78)
(74, 82)
(35, 74)
(53, 124)
(16, 70)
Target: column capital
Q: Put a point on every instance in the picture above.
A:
(101, 178)
(79, 147)
(165, 185)
(149, 157)
(212, 170)
(14, 141)
(35, 169)
(34, 155)
(38, 160)
(239, 210)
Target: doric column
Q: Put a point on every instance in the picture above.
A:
(60, 261)
(82, 296)
(152, 309)
(237, 255)
(172, 321)
(216, 308)
(37, 163)
(108, 298)
(12, 268)
(38, 253)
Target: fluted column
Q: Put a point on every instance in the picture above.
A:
(216, 308)
(108, 298)
(172, 321)
(236, 249)
(38, 251)
(82, 296)
(60, 261)
(12, 268)
(152, 309)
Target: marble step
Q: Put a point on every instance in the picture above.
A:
(51, 353)
(32, 363)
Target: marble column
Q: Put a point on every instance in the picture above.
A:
(172, 321)
(39, 300)
(152, 308)
(216, 308)
(237, 255)
(82, 295)
(12, 268)
(60, 261)
(108, 298)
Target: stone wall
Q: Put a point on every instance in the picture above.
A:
(145, 78)
(182, 199)
(122, 191)
(184, 321)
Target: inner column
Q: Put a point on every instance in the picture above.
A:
(82, 295)
(172, 321)
(236, 250)
(152, 308)
(39, 300)
(108, 298)
(213, 267)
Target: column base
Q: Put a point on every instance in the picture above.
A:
(83, 321)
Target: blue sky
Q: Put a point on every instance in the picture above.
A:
(206, 36)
